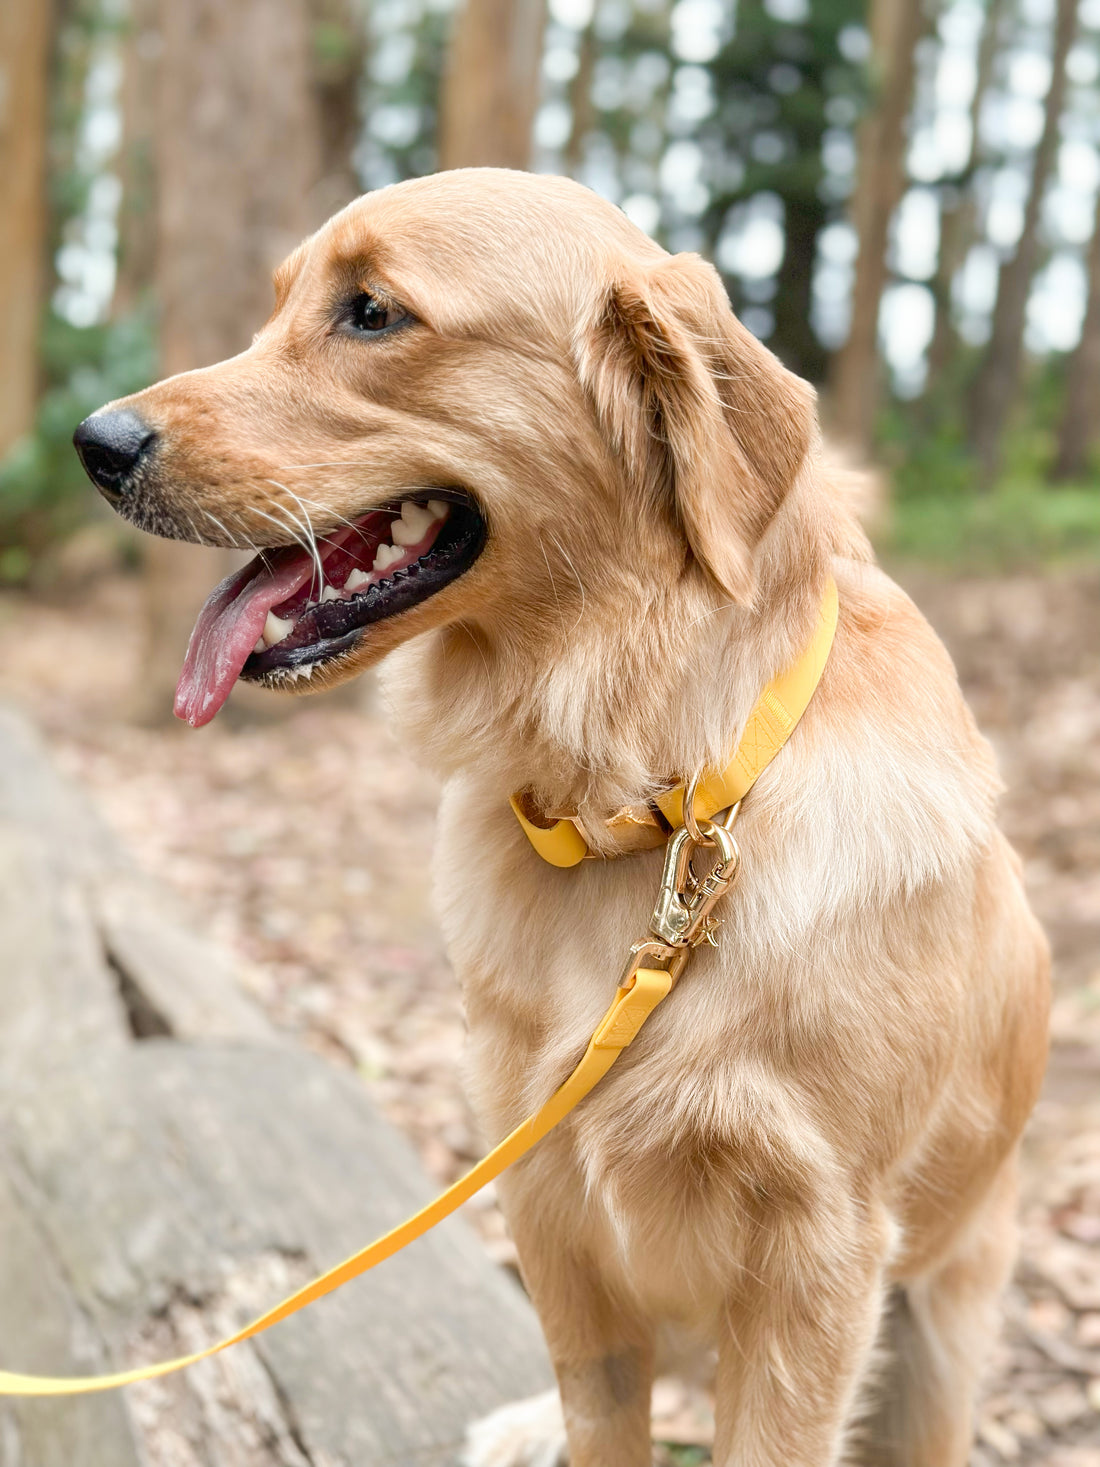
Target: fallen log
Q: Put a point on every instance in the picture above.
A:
(170, 1165)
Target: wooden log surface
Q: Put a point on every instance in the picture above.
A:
(170, 1166)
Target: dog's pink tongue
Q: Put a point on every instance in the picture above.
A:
(228, 628)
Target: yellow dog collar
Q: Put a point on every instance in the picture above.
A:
(769, 726)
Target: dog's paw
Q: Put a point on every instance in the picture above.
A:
(527, 1433)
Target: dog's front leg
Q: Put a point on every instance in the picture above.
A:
(794, 1354)
(601, 1347)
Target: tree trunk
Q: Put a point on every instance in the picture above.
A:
(581, 107)
(339, 54)
(239, 159)
(137, 224)
(995, 388)
(896, 27)
(957, 221)
(491, 86)
(25, 29)
(794, 339)
(1081, 419)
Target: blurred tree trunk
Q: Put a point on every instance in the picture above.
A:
(137, 223)
(896, 26)
(240, 160)
(995, 388)
(1080, 427)
(794, 339)
(581, 107)
(338, 58)
(957, 221)
(25, 32)
(491, 85)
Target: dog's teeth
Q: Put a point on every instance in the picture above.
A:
(276, 628)
(416, 516)
(307, 671)
(386, 556)
(356, 579)
(414, 524)
(438, 509)
(261, 646)
(330, 593)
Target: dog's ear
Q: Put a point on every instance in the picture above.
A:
(706, 418)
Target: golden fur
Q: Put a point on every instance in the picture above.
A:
(807, 1156)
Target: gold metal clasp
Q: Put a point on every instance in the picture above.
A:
(685, 901)
(682, 917)
(653, 954)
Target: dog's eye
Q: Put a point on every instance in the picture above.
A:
(368, 313)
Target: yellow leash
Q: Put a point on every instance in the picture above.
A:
(631, 1007)
(680, 922)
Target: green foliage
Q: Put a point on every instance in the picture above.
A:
(1021, 524)
(44, 493)
(783, 87)
(687, 1456)
(938, 512)
(790, 80)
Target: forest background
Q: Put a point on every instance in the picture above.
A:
(903, 197)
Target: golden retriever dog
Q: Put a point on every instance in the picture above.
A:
(538, 463)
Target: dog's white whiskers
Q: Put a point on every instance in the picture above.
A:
(342, 518)
(311, 534)
(334, 463)
(195, 535)
(238, 540)
(220, 525)
(310, 543)
(284, 526)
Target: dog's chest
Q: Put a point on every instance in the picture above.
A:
(695, 1133)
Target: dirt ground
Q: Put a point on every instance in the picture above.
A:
(301, 838)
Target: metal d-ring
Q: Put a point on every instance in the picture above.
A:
(691, 825)
(699, 830)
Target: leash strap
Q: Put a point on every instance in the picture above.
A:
(634, 1001)
(770, 724)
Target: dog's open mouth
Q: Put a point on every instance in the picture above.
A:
(287, 611)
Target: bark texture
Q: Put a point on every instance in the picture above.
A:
(957, 222)
(896, 27)
(239, 158)
(998, 379)
(137, 243)
(1080, 427)
(491, 86)
(172, 1165)
(581, 105)
(25, 28)
(338, 57)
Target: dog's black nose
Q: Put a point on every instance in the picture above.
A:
(111, 445)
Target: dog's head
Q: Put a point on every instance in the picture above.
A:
(482, 398)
